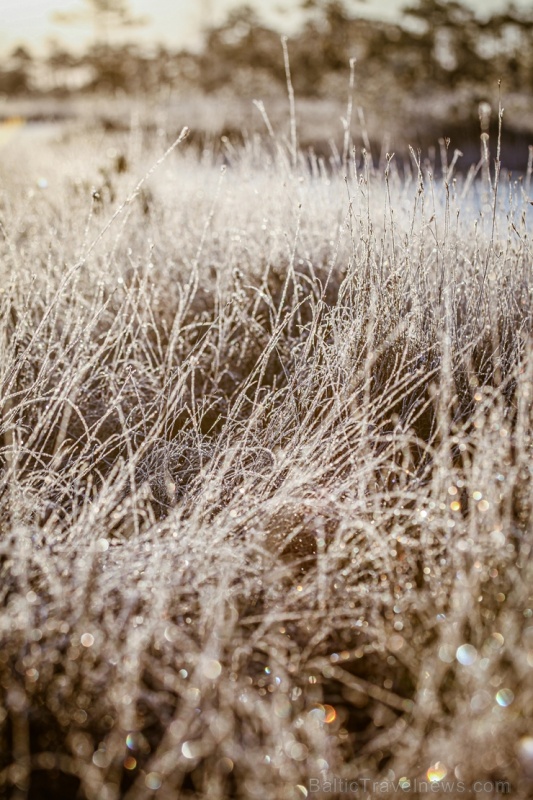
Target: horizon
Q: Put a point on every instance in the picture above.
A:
(177, 23)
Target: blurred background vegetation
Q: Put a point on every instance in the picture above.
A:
(417, 79)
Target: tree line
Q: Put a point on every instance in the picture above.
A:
(435, 44)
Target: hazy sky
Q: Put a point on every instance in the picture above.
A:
(175, 22)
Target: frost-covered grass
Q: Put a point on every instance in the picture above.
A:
(266, 493)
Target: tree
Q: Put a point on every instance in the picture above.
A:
(15, 79)
(105, 15)
(242, 44)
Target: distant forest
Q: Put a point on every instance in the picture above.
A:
(432, 76)
(437, 45)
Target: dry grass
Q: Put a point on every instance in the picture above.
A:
(266, 474)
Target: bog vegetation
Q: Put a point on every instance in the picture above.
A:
(421, 76)
(265, 512)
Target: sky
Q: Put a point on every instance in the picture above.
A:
(177, 23)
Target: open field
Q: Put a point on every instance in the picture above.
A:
(266, 500)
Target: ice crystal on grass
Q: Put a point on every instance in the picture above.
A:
(265, 508)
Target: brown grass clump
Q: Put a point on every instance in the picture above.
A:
(265, 511)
